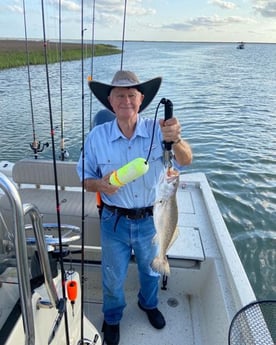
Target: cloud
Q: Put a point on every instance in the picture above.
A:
(67, 5)
(265, 8)
(110, 12)
(15, 8)
(223, 4)
(70, 5)
(116, 7)
(205, 21)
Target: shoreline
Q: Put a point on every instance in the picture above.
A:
(11, 46)
(16, 53)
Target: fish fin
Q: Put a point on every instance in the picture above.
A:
(174, 237)
(161, 265)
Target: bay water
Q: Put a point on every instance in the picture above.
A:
(225, 99)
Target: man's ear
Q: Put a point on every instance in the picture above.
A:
(142, 98)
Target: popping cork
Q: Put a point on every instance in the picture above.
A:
(129, 172)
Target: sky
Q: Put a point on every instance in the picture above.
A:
(151, 20)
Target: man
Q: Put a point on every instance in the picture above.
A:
(126, 221)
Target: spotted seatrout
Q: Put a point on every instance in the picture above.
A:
(165, 215)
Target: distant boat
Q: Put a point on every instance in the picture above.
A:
(240, 45)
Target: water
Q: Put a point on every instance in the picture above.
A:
(225, 99)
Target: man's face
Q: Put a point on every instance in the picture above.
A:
(125, 101)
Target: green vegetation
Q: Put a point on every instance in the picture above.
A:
(13, 53)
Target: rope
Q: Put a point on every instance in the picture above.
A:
(55, 173)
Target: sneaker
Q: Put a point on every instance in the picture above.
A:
(111, 334)
(155, 317)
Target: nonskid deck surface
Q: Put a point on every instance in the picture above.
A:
(135, 328)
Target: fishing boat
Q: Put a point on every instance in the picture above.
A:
(50, 266)
(206, 288)
(240, 45)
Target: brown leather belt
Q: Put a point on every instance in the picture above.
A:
(131, 213)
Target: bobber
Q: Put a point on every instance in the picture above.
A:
(72, 290)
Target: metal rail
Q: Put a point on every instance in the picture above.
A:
(38, 228)
(21, 258)
(18, 212)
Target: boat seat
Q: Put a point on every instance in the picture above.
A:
(35, 179)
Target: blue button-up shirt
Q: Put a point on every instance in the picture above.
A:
(106, 149)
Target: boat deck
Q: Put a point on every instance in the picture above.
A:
(207, 284)
(179, 309)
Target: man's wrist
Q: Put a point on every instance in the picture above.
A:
(177, 141)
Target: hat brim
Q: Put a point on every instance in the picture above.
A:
(148, 88)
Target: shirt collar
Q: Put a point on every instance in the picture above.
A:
(140, 130)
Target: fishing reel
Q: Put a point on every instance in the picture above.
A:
(64, 155)
(38, 147)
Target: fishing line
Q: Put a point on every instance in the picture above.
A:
(153, 129)
(55, 178)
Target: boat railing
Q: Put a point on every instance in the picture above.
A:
(38, 228)
(21, 258)
(18, 213)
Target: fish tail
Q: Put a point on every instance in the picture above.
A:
(161, 265)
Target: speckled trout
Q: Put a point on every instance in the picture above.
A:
(165, 215)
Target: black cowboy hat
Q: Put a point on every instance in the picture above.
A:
(126, 79)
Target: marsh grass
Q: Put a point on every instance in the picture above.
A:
(15, 53)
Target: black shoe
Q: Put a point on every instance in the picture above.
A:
(155, 317)
(111, 334)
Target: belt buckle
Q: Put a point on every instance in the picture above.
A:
(137, 214)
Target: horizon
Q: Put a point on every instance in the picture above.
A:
(78, 41)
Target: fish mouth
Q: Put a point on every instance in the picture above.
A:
(172, 174)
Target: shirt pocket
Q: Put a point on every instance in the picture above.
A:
(107, 166)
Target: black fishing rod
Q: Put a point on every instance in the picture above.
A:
(92, 62)
(36, 145)
(62, 310)
(83, 189)
(63, 152)
(123, 35)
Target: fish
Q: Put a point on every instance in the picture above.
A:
(165, 216)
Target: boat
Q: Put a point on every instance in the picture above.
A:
(240, 45)
(50, 266)
(206, 288)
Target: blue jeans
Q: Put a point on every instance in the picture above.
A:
(119, 236)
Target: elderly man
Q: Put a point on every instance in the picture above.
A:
(127, 216)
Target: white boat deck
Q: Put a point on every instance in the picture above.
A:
(198, 302)
(207, 285)
(180, 311)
